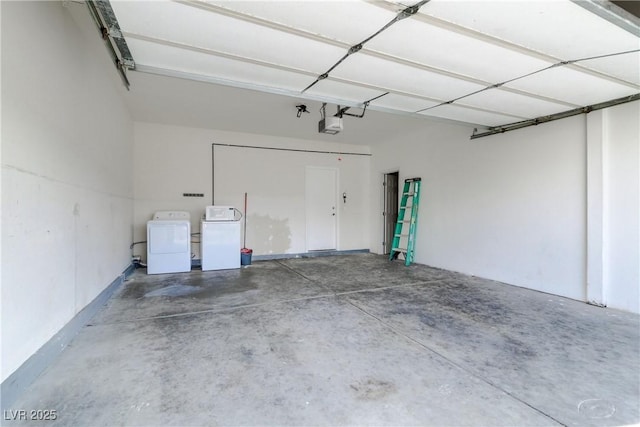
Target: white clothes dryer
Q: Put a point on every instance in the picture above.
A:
(169, 242)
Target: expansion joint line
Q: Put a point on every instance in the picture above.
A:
(357, 291)
(384, 288)
(213, 310)
(457, 365)
(315, 282)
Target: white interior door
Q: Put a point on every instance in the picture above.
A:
(321, 208)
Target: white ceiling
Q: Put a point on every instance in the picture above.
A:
(495, 59)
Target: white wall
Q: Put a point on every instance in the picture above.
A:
(508, 207)
(513, 207)
(66, 173)
(621, 170)
(172, 160)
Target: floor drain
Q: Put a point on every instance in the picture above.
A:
(596, 408)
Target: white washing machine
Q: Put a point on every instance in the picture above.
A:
(220, 238)
(169, 242)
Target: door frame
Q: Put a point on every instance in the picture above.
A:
(336, 171)
(385, 244)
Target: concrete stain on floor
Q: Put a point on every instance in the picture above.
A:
(351, 340)
(373, 389)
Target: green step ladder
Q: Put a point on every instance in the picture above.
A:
(404, 238)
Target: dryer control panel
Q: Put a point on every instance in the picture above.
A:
(171, 215)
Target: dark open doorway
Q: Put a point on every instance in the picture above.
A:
(390, 212)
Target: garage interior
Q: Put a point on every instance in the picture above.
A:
(521, 119)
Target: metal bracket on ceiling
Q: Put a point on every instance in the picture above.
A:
(343, 111)
(107, 23)
(410, 10)
(115, 32)
(613, 13)
(557, 116)
(302, 109)
(404, 13)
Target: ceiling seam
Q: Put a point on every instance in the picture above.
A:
(459, 29)
(218, 53)
(150, 69)
(212, 52)
(428, 20)
(317, 37)
(466, 78)
(212, 8)
(499, 85)
(185, 75)
(365, 51)
(441, 102)
(358, 48)
(393, 7)
(416, 96)
(479, 109)
(284, 68)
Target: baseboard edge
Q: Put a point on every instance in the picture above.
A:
(16, 383)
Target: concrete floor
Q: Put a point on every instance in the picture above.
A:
(351, 340)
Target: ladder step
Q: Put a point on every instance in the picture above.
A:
(406, 228)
